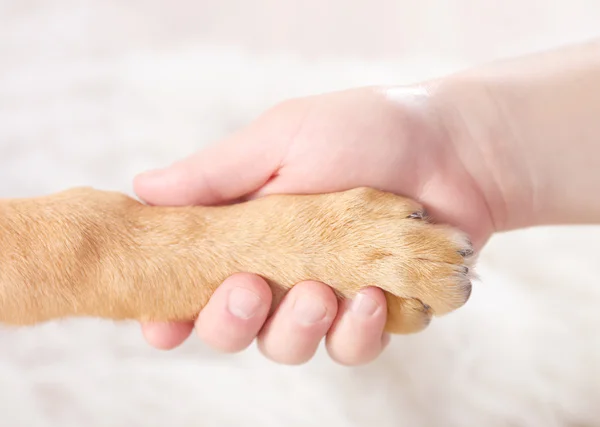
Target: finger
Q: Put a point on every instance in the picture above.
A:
(292, 335)
(210, 176)
(357, 335)
(166, 336)
(235, 313)
(217, 174)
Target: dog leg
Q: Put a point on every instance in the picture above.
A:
(86, 252)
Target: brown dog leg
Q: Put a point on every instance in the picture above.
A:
(85, 252)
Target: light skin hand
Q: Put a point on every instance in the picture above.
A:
(391, 139)
(490, 149)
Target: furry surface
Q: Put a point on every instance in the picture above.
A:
(92, 92)
(103, 254)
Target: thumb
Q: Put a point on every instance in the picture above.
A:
(215, 175)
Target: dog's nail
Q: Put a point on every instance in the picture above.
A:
(427, 314)
(308, 310)
(426, 319)
(466, 252)
(243, 303)
(364, 306)
(417, 215)
(465, 270)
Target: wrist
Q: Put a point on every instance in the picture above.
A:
(528, 132)
(480, 128)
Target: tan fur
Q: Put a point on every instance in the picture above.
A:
(86, 252)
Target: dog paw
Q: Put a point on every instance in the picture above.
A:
(375, 238)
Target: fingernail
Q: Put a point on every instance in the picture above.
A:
(152, 174)
(364, 305)
(308, 310)
(243, 303)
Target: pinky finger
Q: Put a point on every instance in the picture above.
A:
(166, 336)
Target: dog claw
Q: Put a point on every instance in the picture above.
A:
(417, 215)
(466, 252)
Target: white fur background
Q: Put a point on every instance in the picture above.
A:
(92, 92)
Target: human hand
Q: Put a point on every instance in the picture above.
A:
(394, 139)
